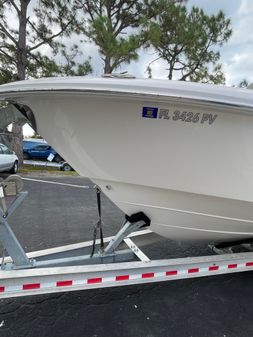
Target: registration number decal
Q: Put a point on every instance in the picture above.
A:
(179, 115)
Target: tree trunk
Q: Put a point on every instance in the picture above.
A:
(107, 67)
(17, 129)
(21, 49)
(17, 142)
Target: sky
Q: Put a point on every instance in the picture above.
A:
(236, 55)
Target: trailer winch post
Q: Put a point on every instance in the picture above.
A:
(7, 237)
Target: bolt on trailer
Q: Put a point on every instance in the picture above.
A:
(101, 262)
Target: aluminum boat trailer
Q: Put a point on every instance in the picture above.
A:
(73, 267)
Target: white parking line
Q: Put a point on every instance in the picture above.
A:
(57, 183)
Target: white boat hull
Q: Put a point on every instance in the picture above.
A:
(185, 216)
(194, 178)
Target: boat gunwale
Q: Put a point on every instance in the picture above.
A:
(183, 99)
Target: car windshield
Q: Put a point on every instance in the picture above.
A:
(5, 149)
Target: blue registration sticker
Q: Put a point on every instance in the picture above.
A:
(148, 112)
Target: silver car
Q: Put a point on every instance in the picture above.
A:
(8, 159)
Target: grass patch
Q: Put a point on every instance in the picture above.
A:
(50, 170)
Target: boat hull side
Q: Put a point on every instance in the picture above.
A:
(108, 138)
(184, 216)
(174, 163)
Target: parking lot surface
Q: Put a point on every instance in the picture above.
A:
(53, 215)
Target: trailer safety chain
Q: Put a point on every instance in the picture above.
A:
(98, 226)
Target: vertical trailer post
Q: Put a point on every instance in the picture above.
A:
(7, 236)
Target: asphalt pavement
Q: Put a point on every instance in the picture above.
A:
(53, 215)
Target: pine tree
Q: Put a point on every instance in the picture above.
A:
(113, 27)
(188, 40)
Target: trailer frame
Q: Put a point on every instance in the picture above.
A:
(120, 263)
(36, 281)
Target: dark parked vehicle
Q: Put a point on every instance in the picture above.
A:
(39, 150)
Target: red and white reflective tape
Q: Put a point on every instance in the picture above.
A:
(46, 285)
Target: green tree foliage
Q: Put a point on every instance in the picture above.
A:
(6, 74)
(244, 83)
(188, 40)
(113, 28)
(39, 24)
